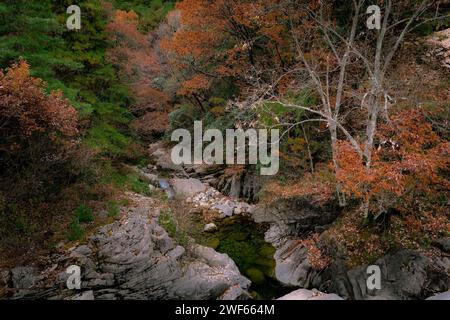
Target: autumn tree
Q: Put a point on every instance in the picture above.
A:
(245, 41)
(37, 131)
(409, 160)
(135, 56)
(346, 65)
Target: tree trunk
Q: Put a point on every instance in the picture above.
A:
(333, 134)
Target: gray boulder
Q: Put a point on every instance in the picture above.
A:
(405, 275)
(86, 295)
(292, 265)
(225, 208)
(296, 215)
(185, 188)
(440, 296)
(443, 244)
(24, 277)
(304, 294)
(210, 227)
(162, 157)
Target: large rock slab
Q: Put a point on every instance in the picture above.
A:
(292, 265)
(440, 296)
(135, 258)
(24, 277)
(162, 157)
(185, 188)
(443, 244)
(296, 215)
(405, 275)
(288, 220)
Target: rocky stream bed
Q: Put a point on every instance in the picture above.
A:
(228, 249)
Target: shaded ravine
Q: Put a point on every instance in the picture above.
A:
(238, 236)
(243, 241)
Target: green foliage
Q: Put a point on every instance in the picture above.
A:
(168, 222)
(76, 231)
(127, 181)
(138, 185)
(107, 140)
(270, 111)
(151, 12)
(71, 61)
(31, 29)
(183, 116)
(84, 214)
(20, 224)
(217, 102)
(113, 209)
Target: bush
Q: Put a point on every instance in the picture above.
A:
(84, 214)
(38, 133)
(168, 222)
(76, 231)
(113, 209)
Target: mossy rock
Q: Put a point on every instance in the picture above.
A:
(238, 236)
(255, 275)
(268, 271)
(213, 243)
(267, 251)
(255, 295)
(265, 262)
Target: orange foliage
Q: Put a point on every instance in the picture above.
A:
(25, 109)
(197, 83)
(316, 257)
(229, 38)
(318, 186)
(136, 59)
(38, 137)
(139, 65)
(409, 156)
(151, 123)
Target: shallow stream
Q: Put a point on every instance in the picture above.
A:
(243, 240)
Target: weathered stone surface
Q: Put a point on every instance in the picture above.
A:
(240, 185)
(86, 295)
(5, 276)
(24, 277)
(288, 220)
(298, 213)
(224, 208)
(187, 187)
(213, 200)
(440, 296)
(292, 265)
(405, 275)
(134, 258)
(203, 170)
(162, 157)
(209, 227)
(443, 244)
(304, 294)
